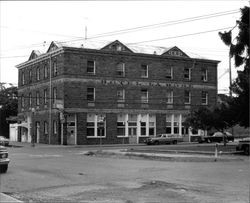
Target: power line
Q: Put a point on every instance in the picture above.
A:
(123, 31)
(167, 23)
(190, 34)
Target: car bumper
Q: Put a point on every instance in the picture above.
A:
(4, 161)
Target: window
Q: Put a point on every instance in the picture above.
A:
(90, 94)
(187, 73)
(54, 127)
(121, 120)
(45, 96)
(46, 71)
(54, 96)
(204, 98)
(37, 99)
(151, 128)
(45, 127)
(37, 73)
(143, 128)
(120, 69)
(22, 78)
(169, 124)
(91, 67)
(55, 69)
(144, 96)
(30, 100)
(169, 72)
(30, 76)
(169, 96)
(144, 71)
(204, 75)
(96, 125)
(187, 97)
(176, 124)
(121, 95)
(22, 101)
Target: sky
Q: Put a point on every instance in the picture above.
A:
(192, 26)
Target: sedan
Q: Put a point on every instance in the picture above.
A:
(4, 141)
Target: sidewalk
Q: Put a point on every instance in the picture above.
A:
(6, 198)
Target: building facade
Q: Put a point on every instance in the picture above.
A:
(110, 94)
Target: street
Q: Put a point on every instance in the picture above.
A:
(65, 174)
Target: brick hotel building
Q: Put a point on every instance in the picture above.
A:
(115, 93)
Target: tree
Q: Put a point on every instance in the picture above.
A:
(8, 107)
(240, 52)
(200, 118)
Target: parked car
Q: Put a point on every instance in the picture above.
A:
(244, 145)
(4, 141)
(218, 137)
(4, 160)
(164, 139)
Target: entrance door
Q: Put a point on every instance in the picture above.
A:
(71, 133)
(132, 134)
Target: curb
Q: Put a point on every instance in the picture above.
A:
(7, 198)
(169, 157)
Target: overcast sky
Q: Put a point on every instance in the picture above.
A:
(27, 26)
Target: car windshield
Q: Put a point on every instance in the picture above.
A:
(159, 135)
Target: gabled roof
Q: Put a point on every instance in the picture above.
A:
(175, 51)
(117, 46)
(34, 54)
(53, 46)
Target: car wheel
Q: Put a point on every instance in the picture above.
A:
(157, 143)
(246, 150)
(3, 168)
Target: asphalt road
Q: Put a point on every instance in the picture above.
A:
(64, 174)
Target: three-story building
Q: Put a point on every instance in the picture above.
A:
(110, 94)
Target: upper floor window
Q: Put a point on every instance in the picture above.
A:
(144, 96)
(187, 97)
(30, 76)
(55, 69)
(46, 71)
(90, 94)
(187, 73)
(37, 73)
(54, 96)
(22, 78)
(144, 71)
(169, 72)
(45, 96)
(204, 75)
(120, 69)
(30, 99)
(91, 67)
(22, 101)
(204, 98)
(120, 95)
(169, 96)
(37, 99)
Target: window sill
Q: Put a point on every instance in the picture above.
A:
(98, 137)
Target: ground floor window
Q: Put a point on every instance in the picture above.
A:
(96, 125)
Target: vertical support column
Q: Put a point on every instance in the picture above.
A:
(172, 123)
(126, 125)
(138, 128)
(75, 129)
(147, 125)
(95, 125)
(180, 124)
